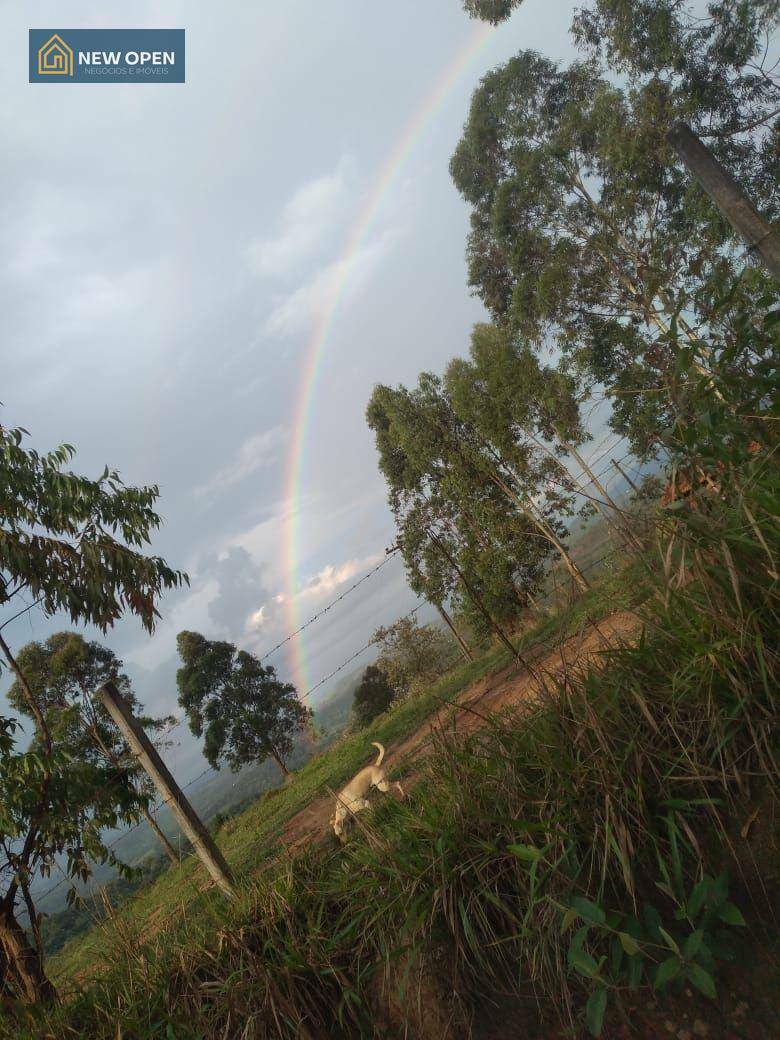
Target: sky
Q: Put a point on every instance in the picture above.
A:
(174, 259)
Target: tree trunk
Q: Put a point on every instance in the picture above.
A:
(545, 530)
(280, 762)
(476, 597)
(450, 624)
(170, 851)
(28, 978)
(579, 578)
(728, 196)
(625, 475)
(621, 528)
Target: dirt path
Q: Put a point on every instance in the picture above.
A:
(511, 686)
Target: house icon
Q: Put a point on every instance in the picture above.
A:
(55, 58)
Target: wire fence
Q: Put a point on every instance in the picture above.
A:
(349, 660)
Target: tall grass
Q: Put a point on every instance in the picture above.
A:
(574, 853)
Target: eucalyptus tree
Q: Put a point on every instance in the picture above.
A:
(64, 672)
(716, 59)
(448, 489)
(71, 544)
(585, 231)
(244, 711)
(493, 11)
(429, 572)
(511, 398)
(411, 654)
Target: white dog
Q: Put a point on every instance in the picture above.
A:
(352, 798)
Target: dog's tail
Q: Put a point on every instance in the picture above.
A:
(381, 754)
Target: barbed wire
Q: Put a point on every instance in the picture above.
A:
(541, 642)
(357, 653)
(39, 897)
(112, 844)
(390, 554)
(321, 682)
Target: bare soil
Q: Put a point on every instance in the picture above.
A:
(511, 687)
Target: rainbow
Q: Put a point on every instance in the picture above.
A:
(315, 349)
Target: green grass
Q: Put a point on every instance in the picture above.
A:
(578, 851)
(251, 840)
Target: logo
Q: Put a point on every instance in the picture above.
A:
(106, 56)
(55, 58)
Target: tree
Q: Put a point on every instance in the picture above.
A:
(373, 696)
(411, 655)
(246, 713)
(513, 400)
(585, 230)
(73, 544)
(63, 673)
(493, 11)
(434, 457)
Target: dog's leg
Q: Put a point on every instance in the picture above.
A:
(400, 789)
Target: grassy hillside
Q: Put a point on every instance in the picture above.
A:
(252, 838)
(586, 852)
(227, 795)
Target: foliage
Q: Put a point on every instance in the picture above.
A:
(627, 951)
(73, 544)
(245, 712)
(57, 929)
(475, 519)
(493, 11)
(411, 654)
(63, 673)
(600, 798)
(586, 232)
(373, 696)
(623, 787)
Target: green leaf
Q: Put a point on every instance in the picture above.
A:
(629, 944)
(719, 889)
(580, 936)
(653, 921)
(670, 942)
(594, 1010)
(692, 944)
(583, 962)
(702, 980)
(588, 911)
(529, 853)
(666, 971)
(731, 915)
(698, 896)
(568, 919)
(616, 955)
(634, 972)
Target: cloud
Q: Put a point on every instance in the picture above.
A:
(332, 576)
(307, 220)
(256, 451)
(267, 615)
(241, 591)
(295, 313)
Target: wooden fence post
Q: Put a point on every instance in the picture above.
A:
(728, 196)
(170, 792)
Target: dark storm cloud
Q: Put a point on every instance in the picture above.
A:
(241, 590)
